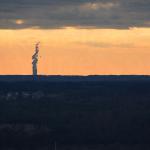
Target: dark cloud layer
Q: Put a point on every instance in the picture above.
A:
(46, 14)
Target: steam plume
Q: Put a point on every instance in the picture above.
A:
(35, 59)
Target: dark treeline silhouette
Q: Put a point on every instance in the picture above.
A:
(36, 114)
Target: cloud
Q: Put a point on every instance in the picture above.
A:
(47, 14)
(107, 45)
(98, 5)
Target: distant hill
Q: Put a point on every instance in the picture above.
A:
(57, 78)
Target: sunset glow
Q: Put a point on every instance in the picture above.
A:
(74, 51)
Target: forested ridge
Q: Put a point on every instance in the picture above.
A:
(37, 114)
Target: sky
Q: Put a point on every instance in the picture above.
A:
(77, 37)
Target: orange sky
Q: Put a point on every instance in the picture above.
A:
(73, 51)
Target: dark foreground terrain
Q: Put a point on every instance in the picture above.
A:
(75, 113)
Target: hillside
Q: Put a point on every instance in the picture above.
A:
(92, 112)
